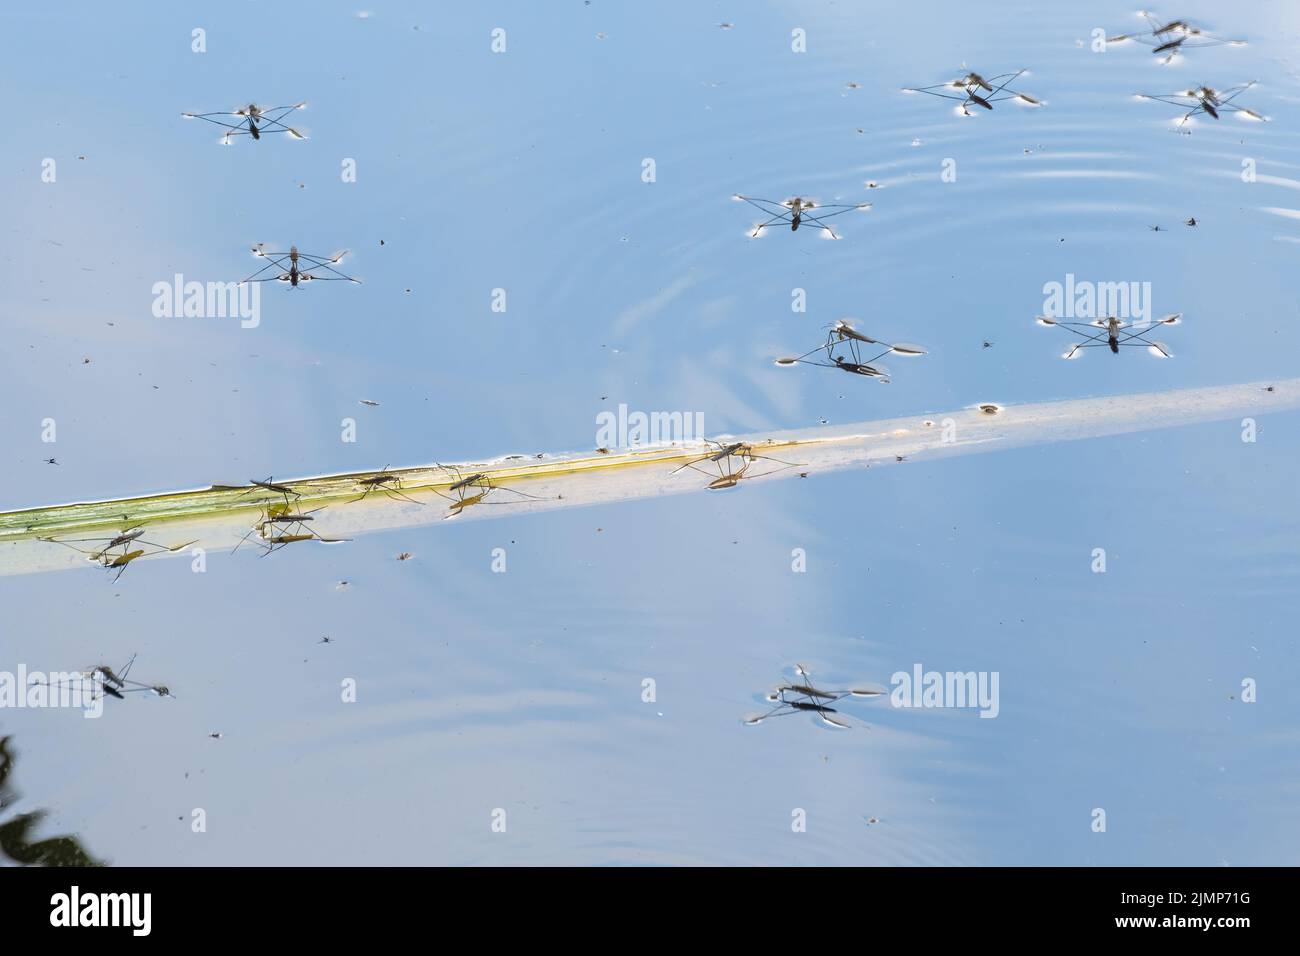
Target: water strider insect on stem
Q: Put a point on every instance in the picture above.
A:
(281, 525)
(971, 89)
(796, 210)
(801, 697)
(116, 552)
(386, 482)
(843, 334)
(1113, 333)
(466, 491)
(728, 475)
(252, 120)
(270, 484)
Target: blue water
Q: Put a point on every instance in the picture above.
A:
(522, 690)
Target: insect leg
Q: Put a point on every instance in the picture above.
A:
(763, 225)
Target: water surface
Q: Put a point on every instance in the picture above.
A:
(522, 690)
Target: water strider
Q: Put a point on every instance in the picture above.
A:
(104, 680)
(114, 553)
(270, 484)
(1169, 39)
(801, 697)
(301, 267)
(1113, 333)
(384, 482)
(252, 120)
(842, 333)
(1207, 100)
(481, 484)
(729, 476)
(795, 212)
(969, 86)
(281, 525)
